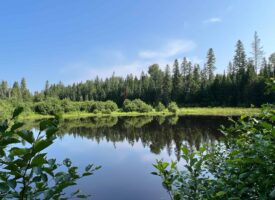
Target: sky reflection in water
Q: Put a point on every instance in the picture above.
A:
(126, 148)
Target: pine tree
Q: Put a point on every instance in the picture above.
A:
(156, 78)
(25, 93)
(4, 90)
(239, 61)
(210, 64)
(167, 86)
(46, 89)
(15, 91)
(176, 82)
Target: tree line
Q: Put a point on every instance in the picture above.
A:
(186, 83)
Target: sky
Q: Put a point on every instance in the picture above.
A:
(73, 41)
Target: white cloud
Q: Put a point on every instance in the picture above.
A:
(172, 48)
(212, 20)
(122, 66)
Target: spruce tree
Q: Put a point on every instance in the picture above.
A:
(210, 64)
(239, 61)
(167, 86)
(15, 91)
(176, 82)
(25, 93)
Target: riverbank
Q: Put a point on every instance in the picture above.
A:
(202, 111)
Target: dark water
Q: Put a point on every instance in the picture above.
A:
(126, 148)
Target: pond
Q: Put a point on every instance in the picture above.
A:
(126, 148)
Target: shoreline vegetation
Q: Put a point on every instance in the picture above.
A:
(188, 111)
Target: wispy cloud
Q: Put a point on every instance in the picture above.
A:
(122, 66)
(172, 48)
(212, 20)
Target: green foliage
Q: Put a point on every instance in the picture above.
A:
(68, 106)
(242, 167)
(160, 107)
(173, 107)
(136, 105)
(52, 106)
(26, 172)
(49, 107)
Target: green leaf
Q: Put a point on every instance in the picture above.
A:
(87, 174)
(272, 194)
(45, 124)
(41, 144)
(88, 167)
(18, 151)
(17, 112)
(184, 150)
(165, 165)
(39, 160)
(50, 131)
(8, 141)
(220, 193)
(4, 187)
(16, 126)
(12, 183)
(26, 135)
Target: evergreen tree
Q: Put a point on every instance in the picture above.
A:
(25, 93)
(4, 90)
(46, 89)
(210, 64)
(156, 79)
(15, 91)
(176, 82)
(239, 61)
(167, 86)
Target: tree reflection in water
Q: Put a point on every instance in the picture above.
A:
(157, 133)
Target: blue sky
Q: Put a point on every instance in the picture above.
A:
(70, 41)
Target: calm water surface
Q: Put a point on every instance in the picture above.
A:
(126, 149)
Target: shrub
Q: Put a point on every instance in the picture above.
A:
(136, 105)
(173, 107)
(85, 106)
(240, 168)
(49, 107)
(26, 171)
(104, 107)
(68, 106)
(111, 106)
(6, 108)
(160, 107)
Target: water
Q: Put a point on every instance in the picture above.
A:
(126, 148)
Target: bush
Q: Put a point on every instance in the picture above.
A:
(85, 106)
(49, 107)
(136, 105)
(26, 171)
(160, 107)
(173, 107)
(104, 107)
(6, 108)
(242, 167)
(68, 106)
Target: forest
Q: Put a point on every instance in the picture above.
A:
(185, 83)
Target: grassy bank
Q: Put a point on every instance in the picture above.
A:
(216, 111)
